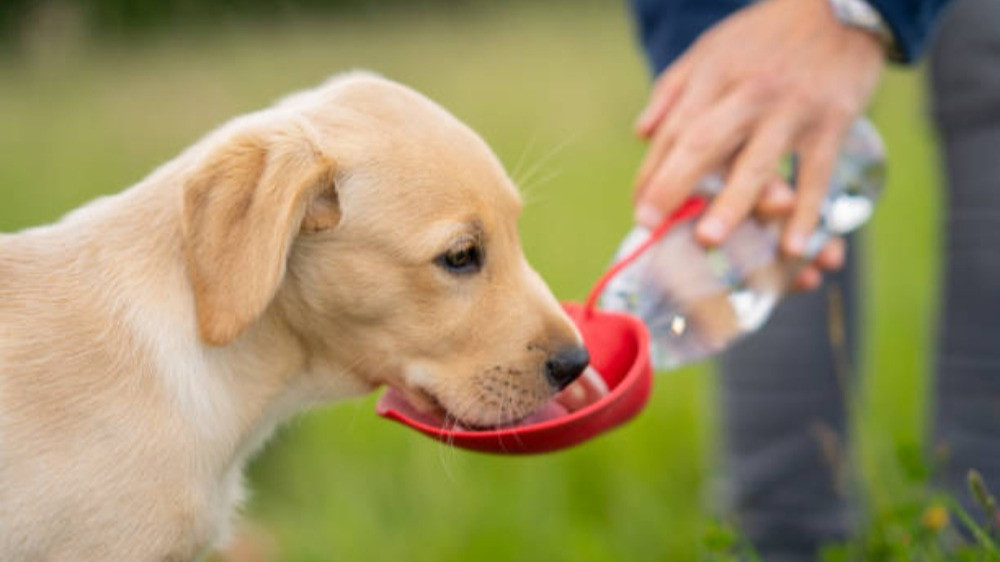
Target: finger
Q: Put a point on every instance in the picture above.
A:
(777, 200)
(754, 168)
(666, 91)
(663, 139)
(700, 149)
(831, 257)
(700, 91)
(818, 160)
(809, 279)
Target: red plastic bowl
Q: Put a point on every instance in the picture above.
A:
(619, 351)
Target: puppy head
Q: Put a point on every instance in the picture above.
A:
(384, 233)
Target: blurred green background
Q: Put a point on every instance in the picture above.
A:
(89, 106)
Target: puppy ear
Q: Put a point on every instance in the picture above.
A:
(243, 207)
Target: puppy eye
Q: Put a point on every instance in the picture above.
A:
(464, 259)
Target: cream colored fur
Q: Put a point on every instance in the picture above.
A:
(152, 340)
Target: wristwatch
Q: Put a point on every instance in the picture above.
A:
(859, 14)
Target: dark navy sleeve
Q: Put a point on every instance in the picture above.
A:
(912, 23)
(667, 28)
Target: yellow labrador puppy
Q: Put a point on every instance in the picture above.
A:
(349, 236)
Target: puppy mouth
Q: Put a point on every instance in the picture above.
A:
(421, 405)
(420, 400)
(424, 407)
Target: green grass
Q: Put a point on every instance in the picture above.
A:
(554, 90)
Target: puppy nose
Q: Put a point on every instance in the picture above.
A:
(566, 365)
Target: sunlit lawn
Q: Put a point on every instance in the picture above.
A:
(554, 90)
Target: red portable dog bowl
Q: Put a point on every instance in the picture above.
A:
(619, 351)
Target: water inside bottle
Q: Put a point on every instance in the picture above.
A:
(696, 301)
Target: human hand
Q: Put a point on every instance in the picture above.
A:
(777, 77)
(777, 201)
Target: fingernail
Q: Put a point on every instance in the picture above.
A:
(648, 215)
(795, 245)
(711, 229)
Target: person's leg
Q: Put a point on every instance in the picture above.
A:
(784, 391)
(965, 80)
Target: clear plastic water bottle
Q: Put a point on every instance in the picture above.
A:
(696, 301)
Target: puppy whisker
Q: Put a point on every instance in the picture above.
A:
(531, 192)
(522, 157)
(525, 180)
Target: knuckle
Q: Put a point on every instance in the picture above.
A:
(660, 178)
(840, 111)
(733, 209)
(811, 195)
(669, 131)
(806, 96)
(663, 139)
(755, 172)
(698, 139)
(763, 87)
(738, 199)
(739, 205)
(660, 194)
(806, 216)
